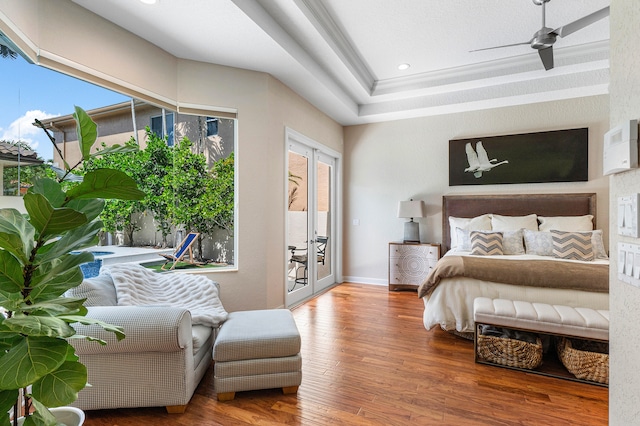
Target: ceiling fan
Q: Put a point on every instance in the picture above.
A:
(544, 38)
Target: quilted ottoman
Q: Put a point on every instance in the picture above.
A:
(255, 350)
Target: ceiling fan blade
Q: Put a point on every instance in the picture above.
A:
(504, 45)
(547, 57)
(582, 22)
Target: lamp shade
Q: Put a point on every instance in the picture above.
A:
(411, 209)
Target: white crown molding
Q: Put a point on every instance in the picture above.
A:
(320, 18)
(529, 63)
(556, 87)
(268, 23)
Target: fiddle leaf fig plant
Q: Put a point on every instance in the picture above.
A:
(40, 258)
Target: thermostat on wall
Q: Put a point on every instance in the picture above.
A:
(620, 151)
(628, 215)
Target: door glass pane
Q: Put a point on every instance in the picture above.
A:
(298, 212)
(323, 226)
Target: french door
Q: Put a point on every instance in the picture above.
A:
(311, 218)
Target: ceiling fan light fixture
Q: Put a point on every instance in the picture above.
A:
(403, 67)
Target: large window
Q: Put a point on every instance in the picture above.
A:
(185, 165)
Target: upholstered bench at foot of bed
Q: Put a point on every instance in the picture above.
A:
(559, 320)
(257, 350)
(564, 322)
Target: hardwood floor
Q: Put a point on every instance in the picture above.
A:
(368, 360)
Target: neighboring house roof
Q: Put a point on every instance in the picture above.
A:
(10, 156)
(96, 113)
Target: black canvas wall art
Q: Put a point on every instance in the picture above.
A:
(556, 156)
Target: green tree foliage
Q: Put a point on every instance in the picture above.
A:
(180, 190)
(156, 163)
(118, 215)
(188, 185)
(216, 209)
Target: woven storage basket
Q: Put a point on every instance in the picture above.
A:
(583, 363)
(510, 352)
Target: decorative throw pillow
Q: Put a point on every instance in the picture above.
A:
(572, 245)
(482, 222)
(513, 223)
(599, 252)
(538, 242)
(486, 243)
(99, 291)
(566, 223)
(512, 242)
(464, 240)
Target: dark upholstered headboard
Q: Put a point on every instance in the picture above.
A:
(514, 205)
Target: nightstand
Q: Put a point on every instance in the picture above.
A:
(410, 263)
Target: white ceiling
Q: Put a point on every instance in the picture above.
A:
(342, 55)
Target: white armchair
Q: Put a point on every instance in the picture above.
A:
(159, 363)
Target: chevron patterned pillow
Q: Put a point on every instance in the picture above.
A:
(486, 243)
(572, 245)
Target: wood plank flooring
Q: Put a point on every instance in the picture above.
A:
(368, 360)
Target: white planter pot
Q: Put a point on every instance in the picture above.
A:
(69, 416)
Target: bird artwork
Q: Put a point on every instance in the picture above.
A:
(479, 160)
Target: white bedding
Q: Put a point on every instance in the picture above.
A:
(451, 304)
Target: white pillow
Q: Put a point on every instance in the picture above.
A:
(464, 240)
(478, 223)
(514, 223)
(567, 223)
(99, 291)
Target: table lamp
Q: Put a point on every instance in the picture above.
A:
(411, 209)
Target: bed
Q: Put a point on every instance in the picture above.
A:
(450, 289)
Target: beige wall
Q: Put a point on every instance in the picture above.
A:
(624, 389)
(264, 107)
(398, 160)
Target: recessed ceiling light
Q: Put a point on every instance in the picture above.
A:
(149, 1)
(403, 67)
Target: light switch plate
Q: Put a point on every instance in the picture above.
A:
(629, 263)
(628, 215)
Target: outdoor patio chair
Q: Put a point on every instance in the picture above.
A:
(301, 260)
(181, 252)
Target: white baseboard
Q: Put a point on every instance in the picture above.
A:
(366, 280)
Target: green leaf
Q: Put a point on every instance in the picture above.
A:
(11, 301)
(76, 239)
(89, 338)
(58, 306)
(49, 220)
(90, 207)
(41, 417)
(38, 326)
(118, 331)
(50, 189)
(107, 183)
(11, 280)
(16, 234)
(61, 386)
(7, 399)
(31, 359)
(87, 131)
(55, 282)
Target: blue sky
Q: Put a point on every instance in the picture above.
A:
(30, 91)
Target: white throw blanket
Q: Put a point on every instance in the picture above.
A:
(136, 286)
